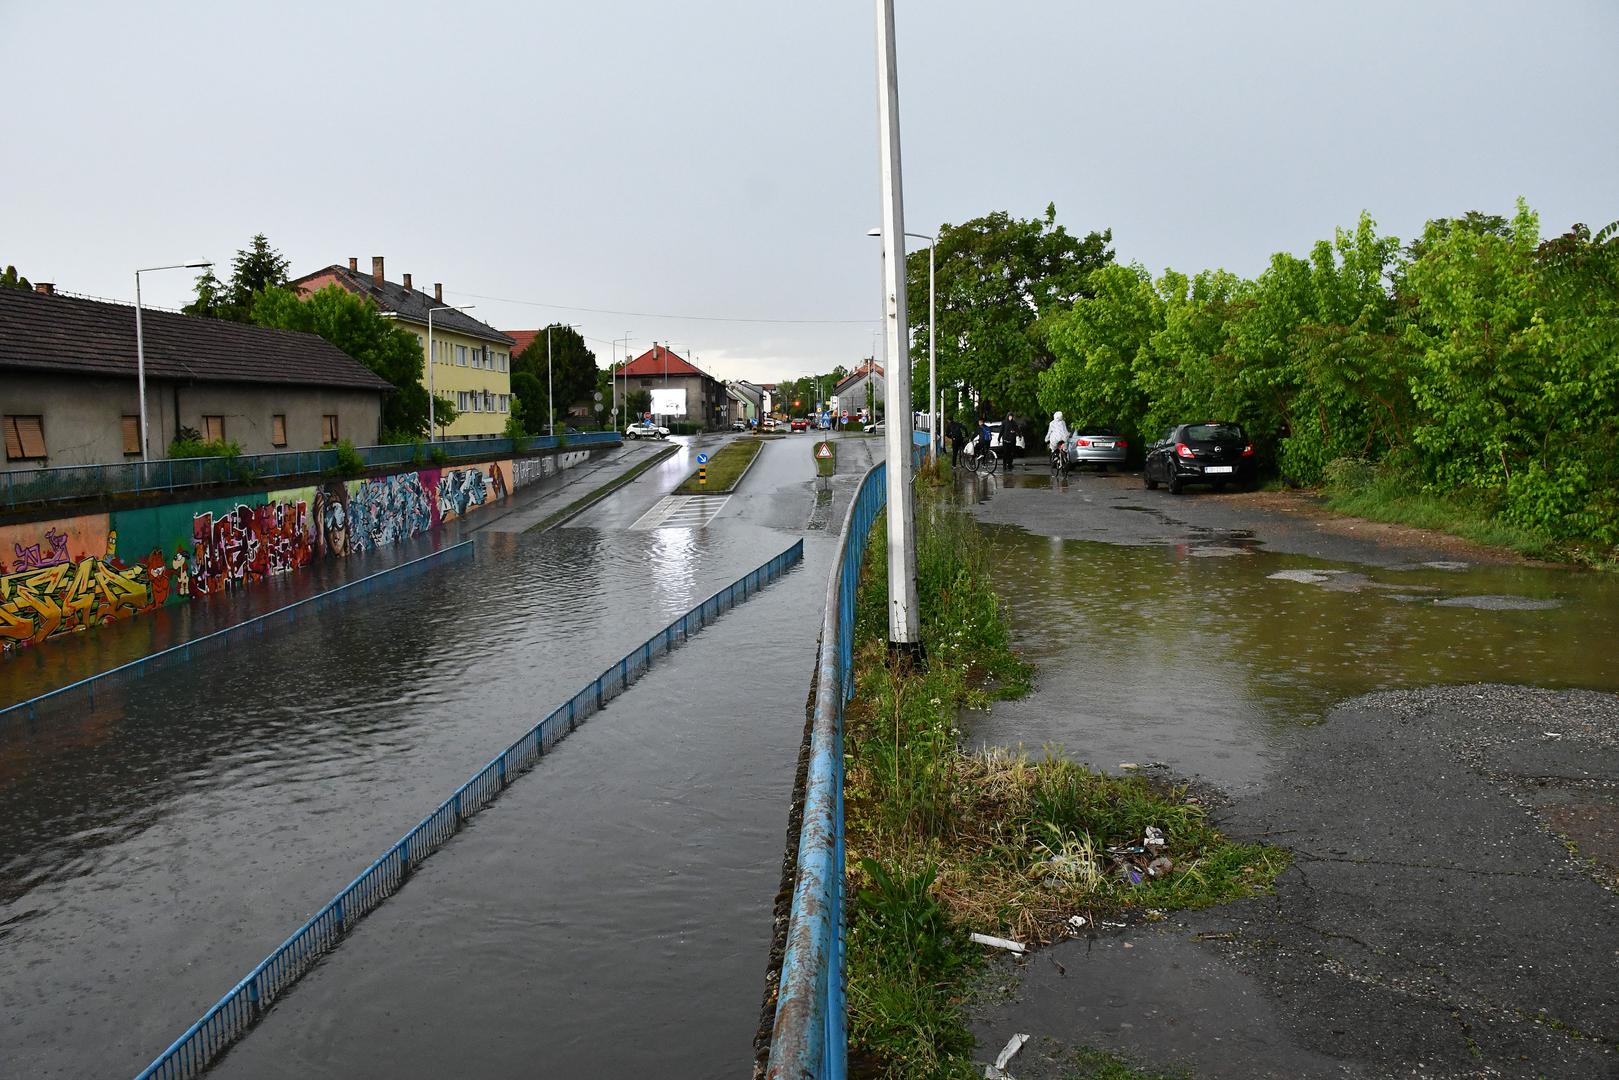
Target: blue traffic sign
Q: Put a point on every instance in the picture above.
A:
(702, 459)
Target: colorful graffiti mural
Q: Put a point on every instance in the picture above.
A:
(460, 491)
(63, 576)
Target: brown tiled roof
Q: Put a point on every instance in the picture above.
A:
(521, 340)
(92, 337)
(659, 361)
(410, 305)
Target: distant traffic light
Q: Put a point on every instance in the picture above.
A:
(795, 403)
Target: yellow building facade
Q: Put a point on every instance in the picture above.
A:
(469, 363)
(475, 375)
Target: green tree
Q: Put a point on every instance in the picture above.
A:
(9, 279)
(256, 268)
(354, 325)
(573, 375)
(997, 279)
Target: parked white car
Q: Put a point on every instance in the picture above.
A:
(641, 429)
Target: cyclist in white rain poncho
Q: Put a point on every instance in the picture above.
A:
(1057, 433)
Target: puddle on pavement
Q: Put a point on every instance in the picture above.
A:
(1209, 656)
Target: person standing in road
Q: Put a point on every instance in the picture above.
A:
(1009, 434)
(957, 435)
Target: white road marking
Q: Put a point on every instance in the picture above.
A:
(681, 512)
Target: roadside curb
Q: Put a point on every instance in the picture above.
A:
(573, 510)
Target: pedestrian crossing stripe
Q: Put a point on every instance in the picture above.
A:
(681, 512)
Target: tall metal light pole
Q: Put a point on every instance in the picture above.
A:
(933, 371)
(550, 407)
(904, 630)
(432, 428)
(140, 344)
(625, 415)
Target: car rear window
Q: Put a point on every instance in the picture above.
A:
(1215, 433)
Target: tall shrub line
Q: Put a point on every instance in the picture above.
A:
(1479, 361)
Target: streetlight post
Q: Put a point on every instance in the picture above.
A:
(904, 629)
(140, 344)
(933, 371)
(432, 428)
(550, 406)
(624, 416)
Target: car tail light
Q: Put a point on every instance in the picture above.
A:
(1248, 451)
(1083, 442)
(1182, 450)
(1120, 444)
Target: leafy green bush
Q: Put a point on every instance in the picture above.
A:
(196, 448)
(349, 461)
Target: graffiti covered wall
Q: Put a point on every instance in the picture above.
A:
(67, 575)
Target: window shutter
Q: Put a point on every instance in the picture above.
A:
(13, 440)
(132, 434)
(30, 435)
(278, 429)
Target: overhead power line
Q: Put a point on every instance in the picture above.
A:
(666, 315)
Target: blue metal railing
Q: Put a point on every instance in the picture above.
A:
(85, 689)
(234, 1013)
(25, 486)
(810, 1038)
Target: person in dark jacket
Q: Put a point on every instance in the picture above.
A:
(1009, 434)
(957, 435)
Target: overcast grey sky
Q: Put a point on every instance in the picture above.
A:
(719, 159)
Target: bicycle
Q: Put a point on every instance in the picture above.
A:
(984, 463)
(1059, 461)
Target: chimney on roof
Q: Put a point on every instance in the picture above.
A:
(45, 288)
(407, 283)
(376, 270)
(354, 263)
(438, 292)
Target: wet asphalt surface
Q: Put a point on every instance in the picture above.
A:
(1450, 908)
(611, 915)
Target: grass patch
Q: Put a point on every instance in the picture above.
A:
(725, 468)
(1365, 491)
(602, 492)
(826, 466)
(942, 842)
(1088, 1064)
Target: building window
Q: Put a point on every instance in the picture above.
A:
(502, 361)
(461, 401)
(278, 429)
(132, 435)
(25, 438)
(328, 424)
(460, 356)
(213, 429)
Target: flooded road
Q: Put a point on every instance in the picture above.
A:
(161, 842)
(1205, 649)
(1430, 733)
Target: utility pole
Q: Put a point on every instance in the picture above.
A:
(904, 629)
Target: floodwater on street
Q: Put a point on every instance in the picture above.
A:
(1207, 656)
(611, 915)
(163, 840)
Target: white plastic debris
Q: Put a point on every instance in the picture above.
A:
(999, 942)
(1008, 1052)
(1077, 921)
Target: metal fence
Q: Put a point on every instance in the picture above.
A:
(809, 1038)
(230, 1018)
(22, 487)
(85, 689)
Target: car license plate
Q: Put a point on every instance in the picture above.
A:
(1218, 468)
(1102, 445)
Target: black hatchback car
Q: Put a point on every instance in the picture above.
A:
(1214, 453)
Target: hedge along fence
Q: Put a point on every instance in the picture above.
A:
(236, 1012)
(22, 487)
